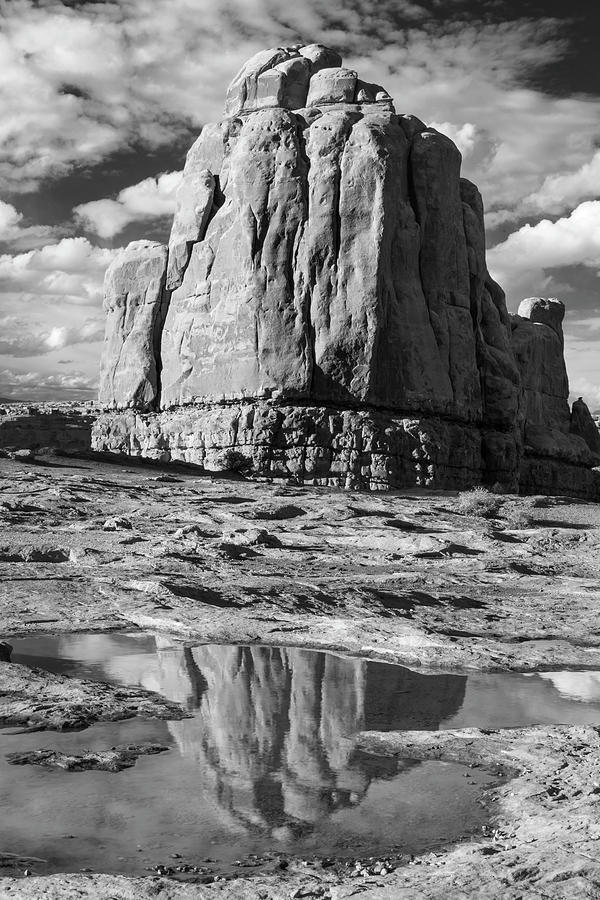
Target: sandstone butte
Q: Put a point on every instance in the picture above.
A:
(324, 308)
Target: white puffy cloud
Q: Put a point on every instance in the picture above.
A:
(70, 271)
(9, 221)
(12, 230)
(150, 198)
(523, 263)
(51, 299)
(560, 192)
(20, 337)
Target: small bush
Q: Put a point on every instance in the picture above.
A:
(231, 460)
(478, 502)
(518, 513)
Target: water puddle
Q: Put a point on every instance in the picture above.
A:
(267, 761)
(266, 764)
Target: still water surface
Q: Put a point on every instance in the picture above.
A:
(267, 760)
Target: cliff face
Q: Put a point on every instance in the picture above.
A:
(324, 305)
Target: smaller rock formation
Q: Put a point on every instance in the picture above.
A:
(583, 425)
(557, 454)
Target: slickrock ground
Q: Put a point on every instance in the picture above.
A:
(407, 576)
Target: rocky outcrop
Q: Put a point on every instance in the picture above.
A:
(324, 305)
(583, 425)
(555, 445)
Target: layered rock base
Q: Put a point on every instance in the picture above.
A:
(354, 449)
(315, 444)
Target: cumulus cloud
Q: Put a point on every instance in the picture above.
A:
(14, 232)
(51, 299)
(70, 271)
(523, 263)
(561, 192)
(149, 199)
(20, 337)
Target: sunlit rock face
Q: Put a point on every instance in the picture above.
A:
(326, 307)
(134, 303)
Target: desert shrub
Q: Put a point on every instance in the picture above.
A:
(231, 460)
(519, 513)
(478, 502)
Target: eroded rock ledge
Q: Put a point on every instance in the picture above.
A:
(324, 305)
(37, 700)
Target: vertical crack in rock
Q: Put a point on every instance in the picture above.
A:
(325, 305)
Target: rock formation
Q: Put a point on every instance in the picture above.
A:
(559, 447)
(324, 305)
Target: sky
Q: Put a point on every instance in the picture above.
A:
(100, 100)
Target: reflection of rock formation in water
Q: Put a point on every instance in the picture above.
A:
(274, 729)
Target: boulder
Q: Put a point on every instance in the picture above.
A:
(544, 311)
(335, 85)
(320, 57)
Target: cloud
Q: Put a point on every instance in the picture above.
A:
(70, 271)
(561, 192)
(523, 263)
(35, 385)
(12, 230)
(51, 299)
(22, 338)
(149, 199)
